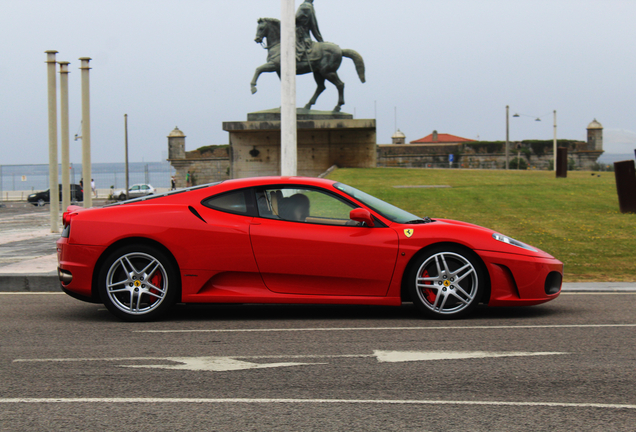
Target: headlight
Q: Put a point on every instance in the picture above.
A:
(32, 196)
(513, 242)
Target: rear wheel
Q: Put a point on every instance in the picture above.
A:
(138, 283)
(447, 282)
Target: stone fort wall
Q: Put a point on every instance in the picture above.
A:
(321, 147)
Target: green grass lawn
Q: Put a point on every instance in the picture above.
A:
(576, 219)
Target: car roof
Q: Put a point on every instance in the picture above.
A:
(237, 184)
(274, 180)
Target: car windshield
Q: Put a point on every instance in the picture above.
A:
(389, 211)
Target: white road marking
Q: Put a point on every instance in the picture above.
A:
(547, 326)
(407, 356)
(316, 401)
(32, 293)
(215, 364)
(619, 291)
(231, 363)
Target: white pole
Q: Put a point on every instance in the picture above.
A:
(66, 184)
(288, 139)
(126, 145)
(508, 138)
(53, 179)
(554, 145)
(86, 133)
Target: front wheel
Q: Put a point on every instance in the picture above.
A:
(138, 283)
(447, 282)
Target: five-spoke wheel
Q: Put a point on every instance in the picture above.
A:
(138, 283)
(447, 282)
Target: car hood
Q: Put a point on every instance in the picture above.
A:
(473, 236)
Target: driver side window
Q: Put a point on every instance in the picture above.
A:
(300, 204)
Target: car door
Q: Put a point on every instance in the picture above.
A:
(305, 243)
(134, 192)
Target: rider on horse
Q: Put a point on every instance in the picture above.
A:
(306, 23)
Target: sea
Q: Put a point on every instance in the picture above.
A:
(106, 175)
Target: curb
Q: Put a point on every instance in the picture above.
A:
(47, 282)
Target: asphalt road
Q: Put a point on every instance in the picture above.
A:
(566, 365)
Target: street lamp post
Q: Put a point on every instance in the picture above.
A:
(536, 118)
(554, 144)
(126, 145)
(507, 136)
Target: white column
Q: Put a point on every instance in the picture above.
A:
(53, 179)
(126, 148)
(86, 133)
(508, 138)
(288, 150)
(66, 183)
(554, 145)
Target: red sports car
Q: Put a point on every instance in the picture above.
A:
(291, 240)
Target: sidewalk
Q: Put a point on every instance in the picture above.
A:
(28, 258)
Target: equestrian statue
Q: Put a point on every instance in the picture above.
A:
(320, 58)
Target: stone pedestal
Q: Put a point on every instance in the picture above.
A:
(324, 139)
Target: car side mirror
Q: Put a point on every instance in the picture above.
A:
(362, 215)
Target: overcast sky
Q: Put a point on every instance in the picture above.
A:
(448, 65)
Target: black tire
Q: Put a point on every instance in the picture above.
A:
(447, 282)
(138, 283)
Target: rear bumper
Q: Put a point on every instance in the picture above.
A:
(519, 280)
(78, 261)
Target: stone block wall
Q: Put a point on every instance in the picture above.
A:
(204, 170)
(255, 146)
(484, 156)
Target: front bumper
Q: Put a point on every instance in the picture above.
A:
(520, 280)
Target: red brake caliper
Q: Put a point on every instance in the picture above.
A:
(427, 292)
(156, 281)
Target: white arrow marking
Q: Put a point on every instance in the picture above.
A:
(216, 364)
(407, 356)
(222, 364)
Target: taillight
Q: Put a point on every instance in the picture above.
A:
(66, 218)
(68, 215)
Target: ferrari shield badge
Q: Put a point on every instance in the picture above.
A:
(408, 232)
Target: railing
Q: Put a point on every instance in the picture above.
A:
(18, 181)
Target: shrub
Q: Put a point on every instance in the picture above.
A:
(518, 163)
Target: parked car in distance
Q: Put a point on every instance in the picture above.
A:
(135, 191)
(44, 197)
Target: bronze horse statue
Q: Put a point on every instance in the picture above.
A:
(323, 60)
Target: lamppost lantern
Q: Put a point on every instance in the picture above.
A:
(536, 118)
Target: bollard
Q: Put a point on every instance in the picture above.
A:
(562, 162)
(625, 174)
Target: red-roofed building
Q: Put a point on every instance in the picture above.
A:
(437, 139)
